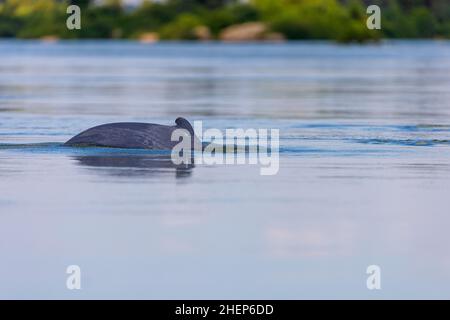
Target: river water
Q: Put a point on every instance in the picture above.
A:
(364, 171)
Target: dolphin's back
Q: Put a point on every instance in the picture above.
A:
(126, 135)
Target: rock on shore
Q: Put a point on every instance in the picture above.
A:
(250, 31)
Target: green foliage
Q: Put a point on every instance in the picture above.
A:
(148, 17)
(43, 20)
(314, 19)
(102, 21)
(9, 25)
(317, 19)
(340, 20)
(220, 18)
(425, 23)
(183, 28)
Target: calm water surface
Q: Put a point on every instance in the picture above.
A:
(364, 171)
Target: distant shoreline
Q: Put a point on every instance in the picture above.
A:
(265, 42)
(226, 20)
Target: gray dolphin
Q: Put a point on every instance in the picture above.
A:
(134, 135)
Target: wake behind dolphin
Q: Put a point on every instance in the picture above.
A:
(134, 135)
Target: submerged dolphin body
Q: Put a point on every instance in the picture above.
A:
(133, 135)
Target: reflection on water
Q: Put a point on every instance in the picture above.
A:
(137, 166)
(364, 171)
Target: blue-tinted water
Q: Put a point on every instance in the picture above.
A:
(363, 179)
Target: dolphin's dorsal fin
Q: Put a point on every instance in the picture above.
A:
(183, 123)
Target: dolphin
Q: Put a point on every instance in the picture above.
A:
(134, 135)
